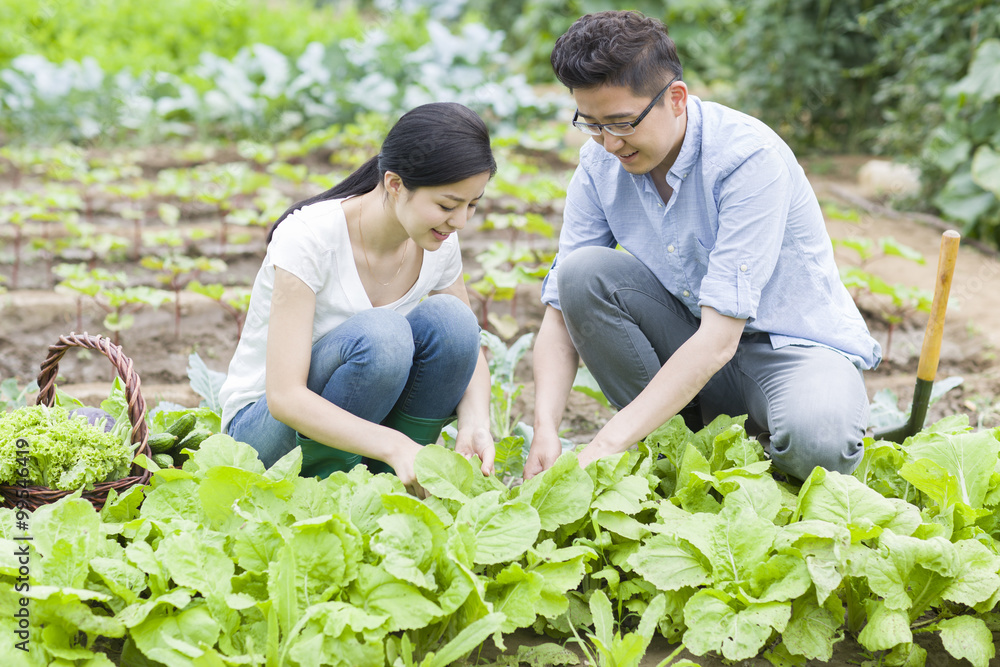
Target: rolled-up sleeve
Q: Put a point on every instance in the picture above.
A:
(753, 208)
(584, 224)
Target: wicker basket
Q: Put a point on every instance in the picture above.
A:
(33, 497)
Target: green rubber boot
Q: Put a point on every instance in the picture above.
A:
(420, 430)
(321, 461)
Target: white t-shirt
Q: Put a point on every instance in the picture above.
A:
(313, 245)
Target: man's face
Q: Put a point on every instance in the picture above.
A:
(657, 139)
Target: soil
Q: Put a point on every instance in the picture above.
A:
(34, 316)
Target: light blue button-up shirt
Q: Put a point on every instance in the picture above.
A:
(742, 233)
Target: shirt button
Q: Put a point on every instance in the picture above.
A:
(743, 267)
(670, 248)
(686, 293)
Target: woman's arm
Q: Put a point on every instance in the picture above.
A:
(474, 409)
(289, 350)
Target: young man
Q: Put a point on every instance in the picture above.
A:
(727, 301)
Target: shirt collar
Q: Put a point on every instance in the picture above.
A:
(691, 147)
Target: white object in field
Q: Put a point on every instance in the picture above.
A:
(878, 178)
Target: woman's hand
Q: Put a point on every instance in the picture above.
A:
(404, 454)
(478, 441)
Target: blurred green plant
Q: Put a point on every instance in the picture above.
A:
(176, 272)
(895, 302)
(165, 35)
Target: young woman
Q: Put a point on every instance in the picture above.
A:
(360, 343)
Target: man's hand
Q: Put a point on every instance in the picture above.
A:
(593, 451)
(545, 449)
(477, 441)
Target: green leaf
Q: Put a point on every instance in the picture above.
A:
(983, 79)
(222, 450)
(969, 457)
(831, 496)
(378, 592)
(600, 610)
(195, 562)
(759, 494)
(977, 578)
(961, 199)
(779, 578)
(561, 495)
(586, 384)
(740, 539)
(514, 593)
(205, 382)
(814, 628)
(174, 502)
(337, 634)
(892, 572)
(625, 496)
(405, 544)
(67, 535)
(502, 532)
(328, 553)
(178, 638)
(934, 480)
(968, 637)
(122, 579)
(907, 655)
(558, 579)
(739, 635)
(465, 641)
(670, 564)
(444, 472)
(622, 525)
(886, 628)
(509, 461)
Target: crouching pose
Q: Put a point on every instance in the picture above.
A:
(727, 300)
(359, 343)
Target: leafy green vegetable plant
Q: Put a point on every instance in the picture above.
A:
(62, 453)
(235, 302)
(177, 272)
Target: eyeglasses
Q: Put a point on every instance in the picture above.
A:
(619, 129)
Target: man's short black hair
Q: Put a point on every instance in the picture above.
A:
(617, 48)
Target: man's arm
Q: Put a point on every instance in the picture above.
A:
(555, 361)
(687, 370)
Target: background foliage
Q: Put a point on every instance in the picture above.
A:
(914, 79)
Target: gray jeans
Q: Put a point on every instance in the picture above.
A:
(810, 401)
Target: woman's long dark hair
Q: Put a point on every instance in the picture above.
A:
(433, 144)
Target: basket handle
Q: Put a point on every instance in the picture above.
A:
(122, 364)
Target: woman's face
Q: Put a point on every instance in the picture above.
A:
(431, 214)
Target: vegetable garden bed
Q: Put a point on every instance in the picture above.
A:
(223, 559)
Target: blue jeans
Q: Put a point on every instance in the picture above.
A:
(379, 360)
(809, 401)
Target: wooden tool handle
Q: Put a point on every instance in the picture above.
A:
(930, 353)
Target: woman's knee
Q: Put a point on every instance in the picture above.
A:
(445, 322)
(377, 338)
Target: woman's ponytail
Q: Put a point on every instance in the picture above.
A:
(434, 144)
(363, 179)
